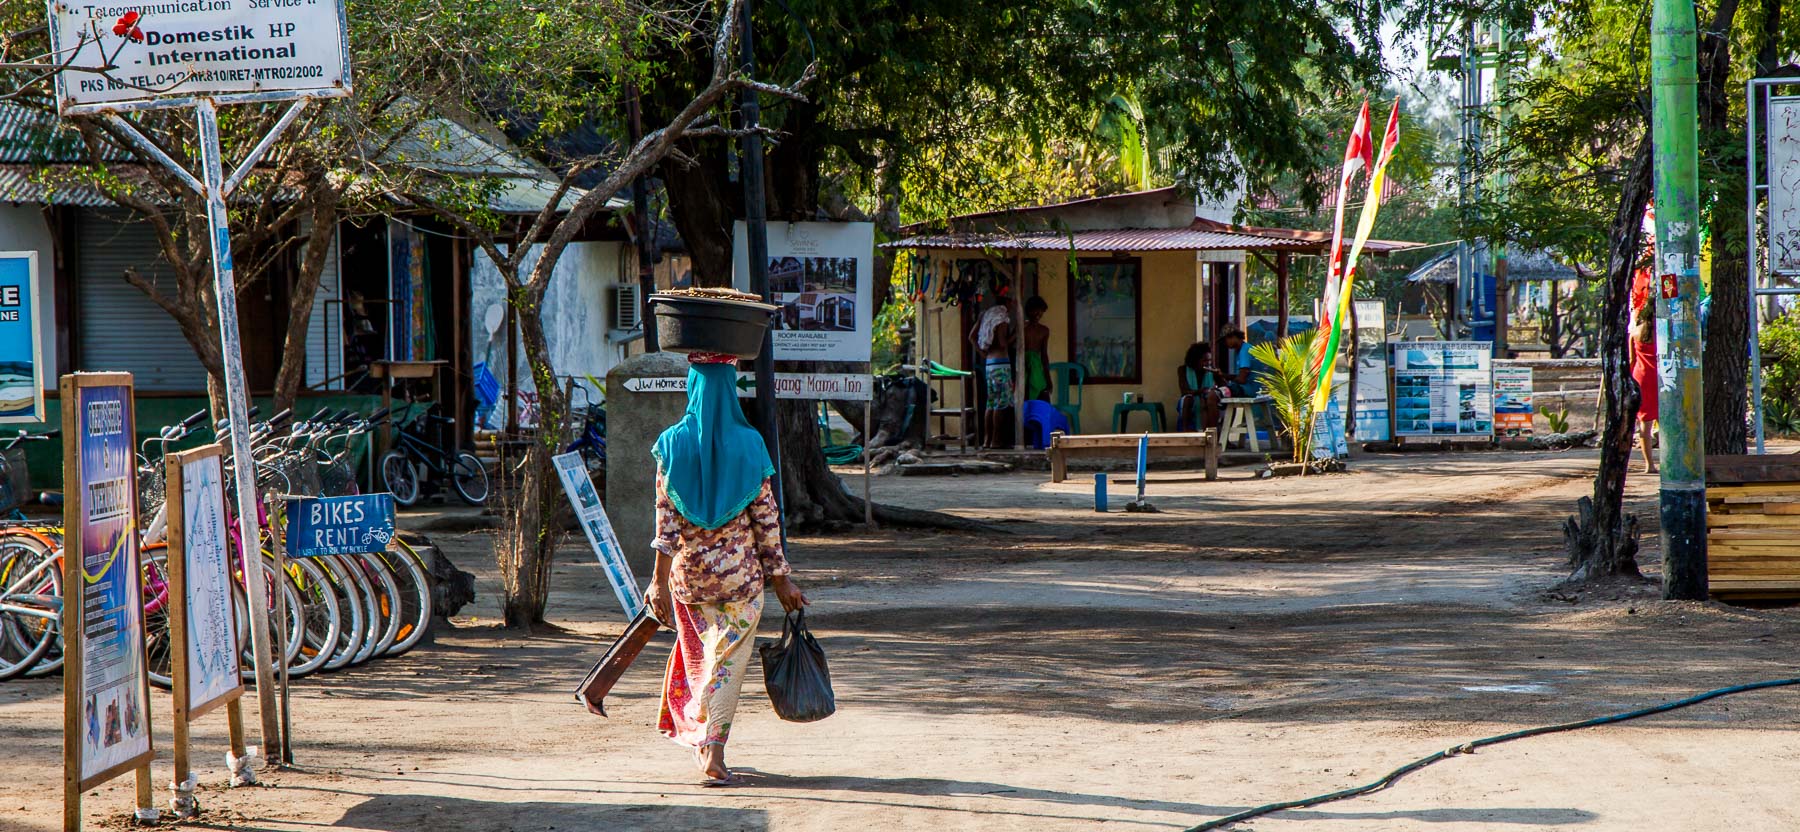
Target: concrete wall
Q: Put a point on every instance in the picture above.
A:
(633, 421)
(22, 228)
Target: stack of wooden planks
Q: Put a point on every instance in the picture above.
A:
(1753, 526)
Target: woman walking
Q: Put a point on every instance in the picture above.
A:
(1643, 370)
(718, 542)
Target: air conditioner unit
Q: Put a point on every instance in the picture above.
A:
(627, 306)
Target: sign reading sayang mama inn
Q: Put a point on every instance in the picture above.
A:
(228, 50)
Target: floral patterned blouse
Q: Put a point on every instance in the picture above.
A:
(728, 563)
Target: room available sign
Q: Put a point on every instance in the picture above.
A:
(182, 49)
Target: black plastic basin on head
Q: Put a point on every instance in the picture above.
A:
(686, 323)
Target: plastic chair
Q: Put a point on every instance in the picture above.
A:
(1068, 377)
(1041, 420)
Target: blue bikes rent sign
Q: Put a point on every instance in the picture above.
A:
(21, 351)
(319, 526)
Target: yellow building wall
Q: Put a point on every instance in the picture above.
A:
(1170, 312)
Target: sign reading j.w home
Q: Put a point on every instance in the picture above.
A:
(319, 526)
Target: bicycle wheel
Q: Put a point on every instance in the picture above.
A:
(159, 643)
(470, 479)
(322, 616)
(274, 583)
(355, 618)
(373, 622)
(30, 603)
(400, 477)
(387, 606)
(415, 595)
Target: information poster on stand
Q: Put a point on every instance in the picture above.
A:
(1443, 389)
(1512, 400)
(212, 645)
(594, 523)
(104, 606)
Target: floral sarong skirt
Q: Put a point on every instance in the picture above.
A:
(713, 646)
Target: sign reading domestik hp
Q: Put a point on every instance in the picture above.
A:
(232, 51)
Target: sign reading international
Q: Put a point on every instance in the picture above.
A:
(821, 275)
(169, 53)
(21, 350)
(105, 680)
(320, 526)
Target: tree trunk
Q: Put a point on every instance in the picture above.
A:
(1726, 357)
(292, 374)
(1602, 540)
(530, 531)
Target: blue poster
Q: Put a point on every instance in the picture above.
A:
(319, 526)
(115, 727)
(21, 359)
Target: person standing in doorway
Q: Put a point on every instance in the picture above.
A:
(718, 544)
(1037, 351)
(993, 338)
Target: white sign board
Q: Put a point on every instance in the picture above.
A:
(809, 386)
(594, 523)
(231, 51)
(1784, 184)
(1512, 400)
(212, 642)
(1443, 389)
(822, 275)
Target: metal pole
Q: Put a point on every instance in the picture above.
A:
(1756, 262)
(756, 242)
(1674, 122)
(237, 410)
(868, 423)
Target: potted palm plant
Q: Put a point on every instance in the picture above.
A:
(1290, 381)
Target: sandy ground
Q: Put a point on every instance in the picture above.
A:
(1256, 641)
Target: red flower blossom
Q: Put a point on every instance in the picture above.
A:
(126, 26)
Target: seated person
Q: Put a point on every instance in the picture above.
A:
(1200, 392)
(1234, 356)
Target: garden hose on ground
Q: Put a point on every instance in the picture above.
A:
(842, 454)
(1469, 747)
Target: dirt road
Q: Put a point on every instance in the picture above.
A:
(1255, 641)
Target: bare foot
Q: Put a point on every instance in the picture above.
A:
(711, 760)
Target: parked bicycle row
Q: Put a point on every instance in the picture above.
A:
(341, 610)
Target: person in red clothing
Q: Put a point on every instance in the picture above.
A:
(1643, 370)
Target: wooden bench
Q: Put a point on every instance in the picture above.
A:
(1064, 447)
(1753, 526)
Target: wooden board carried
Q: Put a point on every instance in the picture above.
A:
(1064, 447)
(600, 680)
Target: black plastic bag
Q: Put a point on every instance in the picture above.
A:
(794, 671)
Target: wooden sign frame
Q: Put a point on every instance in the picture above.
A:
(74, 586)
(175, 504)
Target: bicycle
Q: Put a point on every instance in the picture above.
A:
(410, 467)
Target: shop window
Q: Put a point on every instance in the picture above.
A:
(1106, 320)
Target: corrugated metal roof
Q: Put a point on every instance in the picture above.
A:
(1120, 239)
(28, 135)
(19, 184)
(1202, 235)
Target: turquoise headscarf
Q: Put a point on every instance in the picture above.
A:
(712, 462)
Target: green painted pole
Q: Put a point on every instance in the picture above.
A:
(1674, 123)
